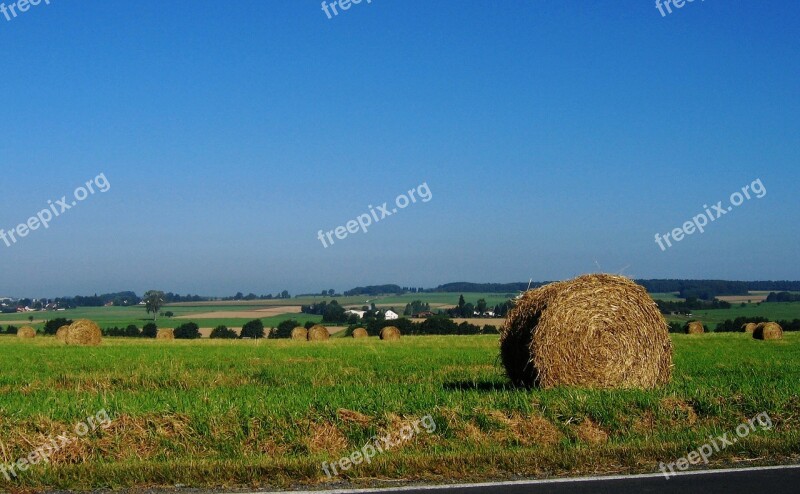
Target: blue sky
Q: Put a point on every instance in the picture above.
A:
(555, 137)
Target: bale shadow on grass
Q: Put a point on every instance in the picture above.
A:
(482, 386)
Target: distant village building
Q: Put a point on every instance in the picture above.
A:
(390, 315)
(359, 313)
(423, 315)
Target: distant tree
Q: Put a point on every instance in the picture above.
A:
(253, 329)
(188, 331)
(284, 329)
(502, 309)
(30, 318)
(793, 325)
(324, 293)
(285, 294)
(150, 330)
(51, 327)
(153, 301)
(169, 313)
(735, 325)
(416, 307)
(238, 296)
(223, 333)
(782, 297)
(334, 313)
(309, 325)
(481, 306)
(132, 331)
(331, 292)
(676, 327)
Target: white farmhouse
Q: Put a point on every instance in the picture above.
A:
(390, 315)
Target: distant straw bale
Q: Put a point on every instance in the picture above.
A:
(165, 334)
(83, 332)
(390, 333)
(300, 333)
(749, 327)
(26, 332)
(318, 333)
(61, 334)
(768, 331)
(694, 327)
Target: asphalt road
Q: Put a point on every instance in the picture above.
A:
(772, 480)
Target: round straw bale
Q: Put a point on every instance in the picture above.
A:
(360, 333)
(61, 334)
(26, 332)
(390, 333)
(318, 333)
(749, 327)
(768, 331)
(694, 327)
(596, 331)
(165, 334)
(83, 332)
(299, 333)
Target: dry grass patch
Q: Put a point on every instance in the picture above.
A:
(353, 417)
(678, 410)
(325, 437)
(589, 432)
(528, 431)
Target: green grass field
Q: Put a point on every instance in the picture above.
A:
(267, 413)
(773, 311)
(123, 316)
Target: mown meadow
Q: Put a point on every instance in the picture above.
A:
(264, 413)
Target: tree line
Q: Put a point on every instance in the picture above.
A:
(783, 297)
(690, 304)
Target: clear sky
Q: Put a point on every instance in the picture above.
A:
(554, 136)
